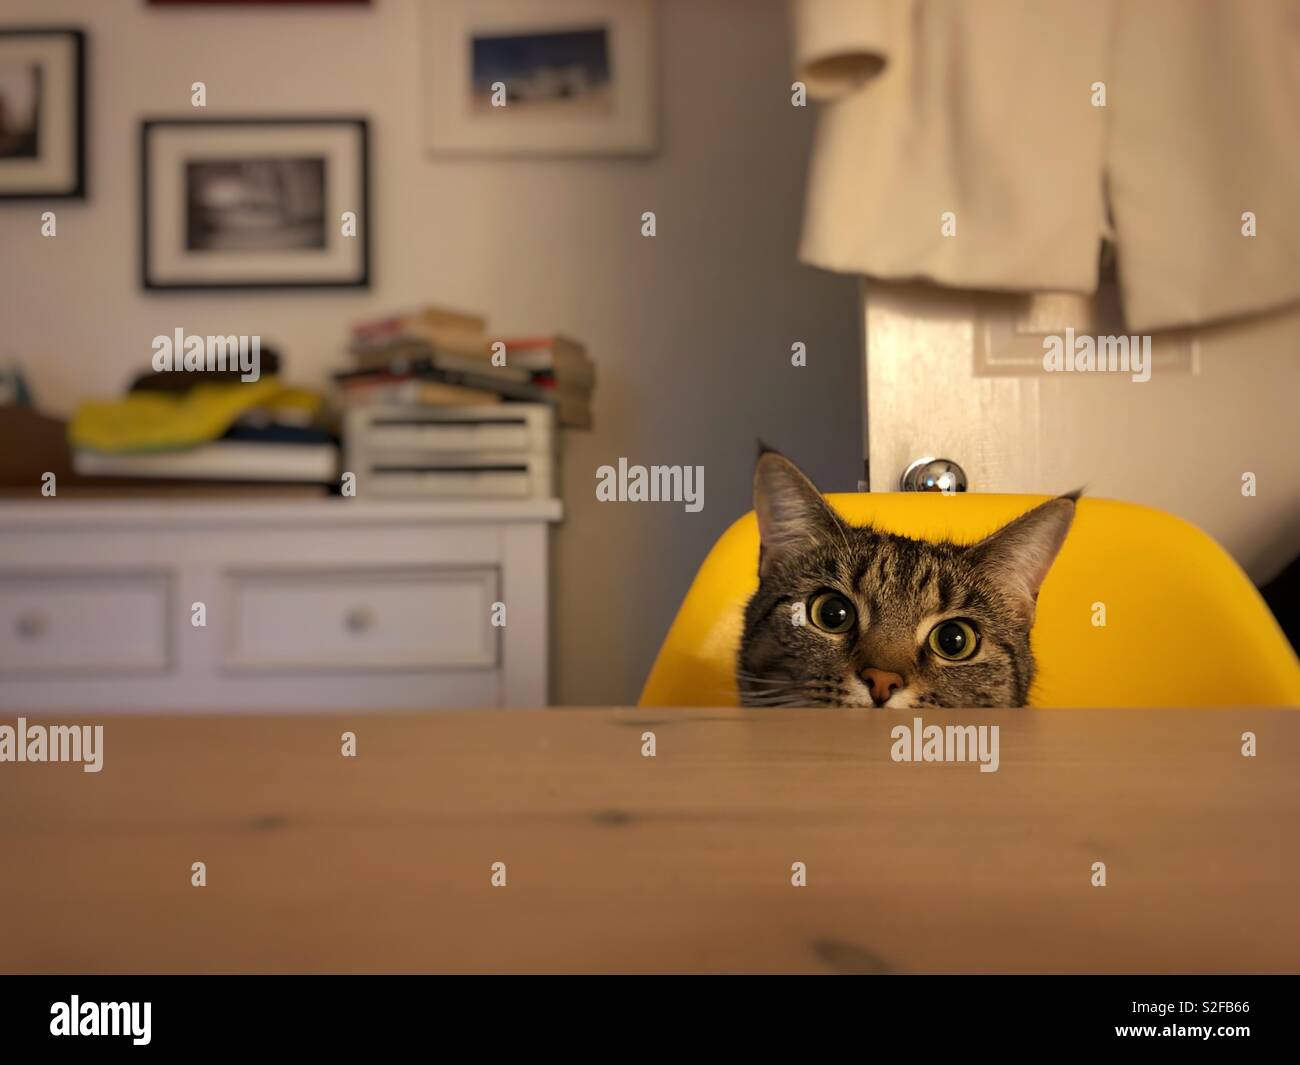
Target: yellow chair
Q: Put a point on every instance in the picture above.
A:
(1183, 624)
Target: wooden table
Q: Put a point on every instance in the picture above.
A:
(679, 862)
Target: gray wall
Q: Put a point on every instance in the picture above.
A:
(690, 330)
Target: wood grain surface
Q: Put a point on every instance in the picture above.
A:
(616, 862)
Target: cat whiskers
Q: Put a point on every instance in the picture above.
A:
(754, 678)
(780, 692)
(777, 701)
(758, 691)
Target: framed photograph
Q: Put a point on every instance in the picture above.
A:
(42, 114)
(568, 77)
(254, 203)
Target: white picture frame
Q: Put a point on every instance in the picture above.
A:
(189, 245)
(523, 77)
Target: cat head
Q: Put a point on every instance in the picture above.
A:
(846, 615)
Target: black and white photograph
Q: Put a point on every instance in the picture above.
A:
(567, 71)
(41, 114)
(511, 77)
(254, 203)
(20, 110)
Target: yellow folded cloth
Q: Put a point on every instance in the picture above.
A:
(167, 421)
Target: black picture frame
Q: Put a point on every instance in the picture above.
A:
(77, 126)
(151, 126)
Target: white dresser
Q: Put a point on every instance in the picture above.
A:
(310, 604)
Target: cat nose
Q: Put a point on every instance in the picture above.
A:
(881, 684)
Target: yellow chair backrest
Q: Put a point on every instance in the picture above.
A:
(1183, 626)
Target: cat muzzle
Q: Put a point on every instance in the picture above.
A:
(881, 684)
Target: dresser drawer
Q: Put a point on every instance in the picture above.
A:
(76, 622)
(367, 618)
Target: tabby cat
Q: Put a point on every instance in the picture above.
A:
(845, 615)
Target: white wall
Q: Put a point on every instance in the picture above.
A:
(691, 331)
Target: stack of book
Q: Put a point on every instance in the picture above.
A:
(441, 358)
(560, 368)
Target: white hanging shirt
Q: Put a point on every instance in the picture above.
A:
(1039, 125)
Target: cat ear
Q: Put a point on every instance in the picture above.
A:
(792, 515)
(1020, 553)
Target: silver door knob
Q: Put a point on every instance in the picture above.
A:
(933, 475)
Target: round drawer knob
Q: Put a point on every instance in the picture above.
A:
(933, 475)
(359, 619)
(31, 625)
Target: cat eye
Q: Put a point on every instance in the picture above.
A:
(832, 613)
(954, 639)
